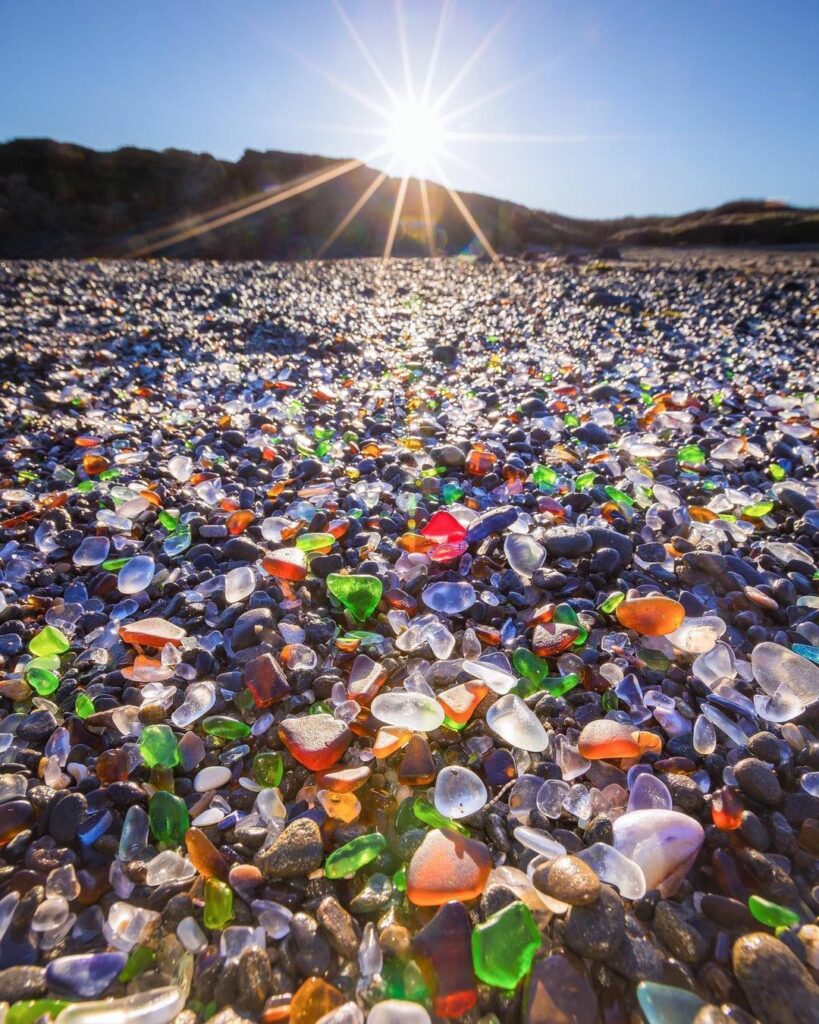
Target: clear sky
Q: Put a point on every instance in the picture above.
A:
(594, 108)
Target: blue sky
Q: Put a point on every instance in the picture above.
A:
(612, 107)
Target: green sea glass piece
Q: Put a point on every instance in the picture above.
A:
(315, 541)
(168, 817)
(772, 914)
(139, 960)
(544, 476)
(619, 496)
(347, 859)
(612, 601)
(530, 665)
(49, 640)
(426, 813)
(758, 509)
(84, 707)
(359, 594)
(26, 1011)
(268, 768)
(225, 728)
(504, 946)
(565, 614)
(158, 746)
(691, 454)
(218, 904)
(41, 680)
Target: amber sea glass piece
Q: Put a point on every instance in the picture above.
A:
(266, 681)
(651, 616)
(459, 702)
(316, 741)
(605, 739)
(313, 1000)
(205, 857)
(443, 951)
(417, 767)
(153, 632)
(552, 638)
(447, 866)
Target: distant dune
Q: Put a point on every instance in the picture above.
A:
(61, 200)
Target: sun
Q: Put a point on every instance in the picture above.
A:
(415, 136)
(415, 133)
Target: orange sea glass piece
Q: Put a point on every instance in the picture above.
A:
(370, 676)
(153, 632)
(347, 644)
(726, 809)
(94, 464)
(459, 702)
(146, 670)
(447, 866)
(343, 780)
(543, 613)
(488, 635)
(701, 515)
(552, 638)
(390, 738)
(24, 517)
(266, 681)
(112, 766)
(16, 817)
(316, 741)
(276, 1010)
(287, 564)
(344, 807)
(444, 953)
(205, 857)
(313, 1000)
(396, 598)
(151, 497)
(415, 543)
(479, 463)
(648, 742)
(606, 739)
(239, 522)
(338, 527)
(651, 616)
(14, 689)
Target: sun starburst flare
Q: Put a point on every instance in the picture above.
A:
(417, 131)
(414, 129)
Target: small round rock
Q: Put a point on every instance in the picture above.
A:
(569, 880)
(596, 930)
(758, 780)
(213, 777)
(778, 988)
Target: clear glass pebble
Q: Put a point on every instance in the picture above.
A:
(415, 711)
(705, 736)
(136, 575)
(459, 792)
(517, 724)
(239, 584)
(649, 793)
(92, 551)
(449, 598)
(614, 868)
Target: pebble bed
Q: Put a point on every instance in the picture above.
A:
(422, 641)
